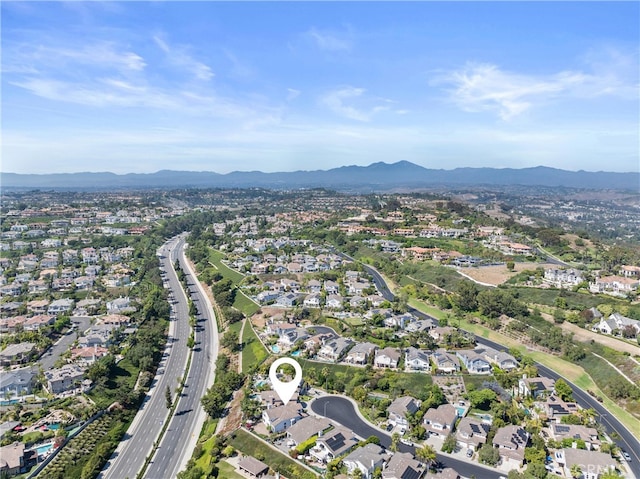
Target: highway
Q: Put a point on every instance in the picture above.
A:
(180, 437)
(137, 443)
(625, 440)
(342, 411)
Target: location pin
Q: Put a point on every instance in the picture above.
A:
(285, 390)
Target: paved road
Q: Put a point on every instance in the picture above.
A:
(342, 411)
(48, 359)
(625, 440)
(137, 443)
(184, 428)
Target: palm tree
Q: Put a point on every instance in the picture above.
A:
(426, 454)
(395, 439)
(575, 470)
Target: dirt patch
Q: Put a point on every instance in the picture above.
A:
(496, 275)
(233, 420)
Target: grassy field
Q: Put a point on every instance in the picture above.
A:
(398, 382)
(242, 302)
(216, 257)
(248, 444)
(208, 430)
(253, 352)
(227, 471)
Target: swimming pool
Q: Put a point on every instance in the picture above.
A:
(295, 354)
(44, 449)
(461, 410)
(260, 383)
(275, 348)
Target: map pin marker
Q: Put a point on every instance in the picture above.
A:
(285, 390)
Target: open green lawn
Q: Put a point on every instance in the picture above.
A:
(124, 377)
(245, 304)
(227, 471)
(250, 445)
(253, 353)
(216, 259)
(207, 432)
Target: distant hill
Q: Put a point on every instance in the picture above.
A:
(375, 177)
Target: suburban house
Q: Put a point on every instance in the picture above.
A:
(334, 443)
(440, 421)
(576, 432)
(399, 409)
(334, 301)
(563, 278)
(252, 467)
(14, 460)
(445, 362)
(88, 356)
(280, 418)
(616, 322)
(475, 362)
(471, 433)
(539, 386)
(614, 285)
(417, 360)
(312, 300)
(503, 360)
(511, 442)
(60, 306)
(36, 323)
(290, 337)
(287, 300)
(63, 379)
(386, 358)
(120, 305)
(16, 383)
(306, 428)
(439, 333)
(367, 459)
(360, 353)
(403, 465)
(555, 408)
(17, 353)
(592, 463)
(421, 325)
(334, 349)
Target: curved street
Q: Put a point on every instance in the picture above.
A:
(342, 411)
(625, 439)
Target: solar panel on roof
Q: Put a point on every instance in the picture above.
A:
(562, 428)
(336, 442)
(410, 473)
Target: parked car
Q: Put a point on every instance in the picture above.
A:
(469, 452)
(625, 455)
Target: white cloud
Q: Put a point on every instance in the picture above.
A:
(329, 40)
(338, 102)
(178, 56)
(485, 87)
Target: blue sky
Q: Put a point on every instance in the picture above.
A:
(216, 86)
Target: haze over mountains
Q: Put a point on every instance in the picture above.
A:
(375, 177)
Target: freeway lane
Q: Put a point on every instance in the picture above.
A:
(176, 446)
(137, 443)
(342, 411)
(625, 439)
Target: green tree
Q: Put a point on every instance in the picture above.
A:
(426, 454)
(466, 300)
(167, 397)
(450, 443)
(575, 470)
(563, 390)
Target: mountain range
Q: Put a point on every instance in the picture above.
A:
(375, 177)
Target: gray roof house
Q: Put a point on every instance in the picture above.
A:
(471, 433)
(334, 349)
(511, 442)
(399, 409)
(360, 353)
(417, 360)
(306, 428)
(440, 421)
(367, 459)
(403, 465)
